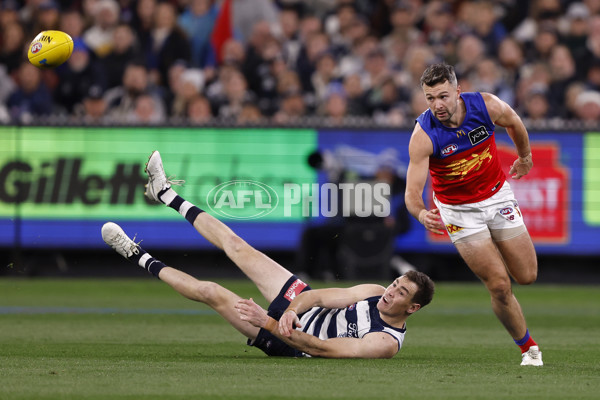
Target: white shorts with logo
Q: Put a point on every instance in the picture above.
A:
(498, 217)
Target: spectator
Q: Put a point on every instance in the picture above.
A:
(72, 23)
(562, 69)
(198, 110)
(588, 107)
(235, 94)
(469, 52)
(376, 69)
(167, 44)
(315, 45)
(354, 62)
(289, 22)
(147, 111)
(417, 59)
(417, 104)
(592, 47)
(46, 17)
(122, 99)
(197, 21)
(541, 47)
(292, 107)
(125, 50)
(188, 86)
(576, 34)
(541, 13)
(92, 110)
(12, 46)
(355, 95)
(440, 31)
(143, 21)
(234, 53)
(250, 114)
(32, 97)
(537, 74)
(403, 18)
(7, 85)
(536, 107)
(77, 76)
(246, 14)
(100, 36)
(325, 74)
(593, 76)
(488, 77)
(9, 12)
(385, 102)
(335, 107)
(261, 48)
(511, 59)
(571, 94)
(487, 27)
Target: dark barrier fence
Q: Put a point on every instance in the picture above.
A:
(58, 185)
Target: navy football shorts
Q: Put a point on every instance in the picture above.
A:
(265, 340)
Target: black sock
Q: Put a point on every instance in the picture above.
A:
(146, 261)
(185, 208)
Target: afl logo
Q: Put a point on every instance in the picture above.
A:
(36, 47)
(506, 211)
(450, 149)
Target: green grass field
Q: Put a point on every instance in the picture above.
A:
(137, 339)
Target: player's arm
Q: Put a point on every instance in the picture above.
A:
(327, 298)
(372, 345)
(419, 149)
(503, 115)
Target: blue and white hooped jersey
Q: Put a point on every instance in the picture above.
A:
(354, 321)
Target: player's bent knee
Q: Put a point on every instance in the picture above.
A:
(500, 291)
(527, 278)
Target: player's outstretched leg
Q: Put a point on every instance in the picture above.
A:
(214, 295)
(266, 274)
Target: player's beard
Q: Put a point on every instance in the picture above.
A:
(447, 114)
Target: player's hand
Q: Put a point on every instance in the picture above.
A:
(521, 167)
(432, 221)
(288, 322)
(252, 312)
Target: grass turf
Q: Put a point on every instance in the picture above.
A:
(137, 339)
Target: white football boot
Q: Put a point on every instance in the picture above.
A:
(116, 238)
(533, 356)
(157, 179)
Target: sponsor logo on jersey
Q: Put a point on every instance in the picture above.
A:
(450, 149)
(478, 135)
(453, 228)
(36, 47)
(294, 290)
(460, 133)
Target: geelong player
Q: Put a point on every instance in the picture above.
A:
(364, 321)
(454, 141)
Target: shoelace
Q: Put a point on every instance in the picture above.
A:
(177, 182)
(123, 242)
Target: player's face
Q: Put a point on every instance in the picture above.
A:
(442, 100)
(397, 298)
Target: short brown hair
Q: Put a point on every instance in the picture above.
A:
(438, 73)
(426, 287)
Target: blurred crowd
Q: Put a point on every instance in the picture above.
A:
(155, 62)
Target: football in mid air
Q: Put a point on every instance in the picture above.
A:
(49, 49)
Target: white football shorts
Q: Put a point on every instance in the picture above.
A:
(497, 217)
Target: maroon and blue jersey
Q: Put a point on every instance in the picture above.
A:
(464, 166)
